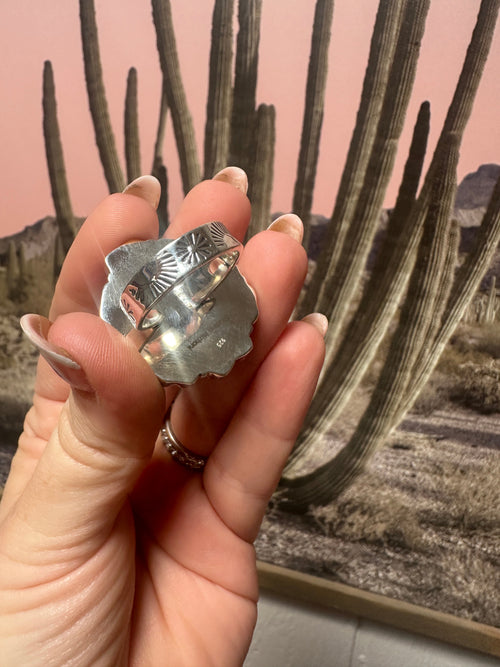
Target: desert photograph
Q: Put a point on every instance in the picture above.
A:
(387, 144)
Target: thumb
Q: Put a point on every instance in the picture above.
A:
(104, 437)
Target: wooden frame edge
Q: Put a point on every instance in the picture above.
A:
(402, 615)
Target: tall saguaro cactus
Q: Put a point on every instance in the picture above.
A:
(383, 44)
(260, 190)
(433, 305)
(340, 285)
(55, 160)
(131, 124)
(97, 98)
(220, 92)
(159, 169)
(245, 85)
(379, 301)
(176, 96)
(313, 114)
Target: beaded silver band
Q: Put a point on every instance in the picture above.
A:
(179, 453)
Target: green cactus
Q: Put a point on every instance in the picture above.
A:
(491, 305)
(55, 160)
(160, 172)
(176, 96)
(327, 481)
(245, 86)
(428, 316)
(97, 98)
(219, 102)
(340, 285)
(159, 169)
(313, 114)
(260, 190)
(160, 130)
(383, 44)
(466, 283)
(131, 125)
(379, 301)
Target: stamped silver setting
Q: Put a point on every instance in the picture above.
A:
(183, 302)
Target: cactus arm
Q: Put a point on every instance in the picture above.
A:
(325, 483)
(131, 125)
(243, 116)
(379, 301)
(97, 98)
(340, 286)
(313, 114)
(466, 284)
(383, 43)
(219, 102)
(262, 185)
(176, 96)
(160, 130)
(158, 168)
(55, 160)
(409, 363)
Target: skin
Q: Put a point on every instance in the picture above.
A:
(111, 553)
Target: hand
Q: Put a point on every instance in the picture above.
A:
(110, 552)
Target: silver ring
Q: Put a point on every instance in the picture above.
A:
(182, 302)
(199, 260)
(179, 453)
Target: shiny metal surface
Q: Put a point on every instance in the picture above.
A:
(183, 302)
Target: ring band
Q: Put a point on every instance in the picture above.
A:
(179, 453)
(183, 303)
(199, 260)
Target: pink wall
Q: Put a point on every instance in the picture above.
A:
(33, 32)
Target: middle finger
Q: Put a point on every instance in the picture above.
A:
(274, 264)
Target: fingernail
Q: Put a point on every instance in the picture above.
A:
(289, 224)
(319, 321)
(36, 329)
(147, 188)
(234, 176)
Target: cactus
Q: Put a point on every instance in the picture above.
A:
(379, 300)
(181, 118)
(327, 481)
(428, 312)
(339, 286)
(313, 114)
(159, 169)
(245, 86)
(260, 190)
(469, 275)
(55, 160)
(131, 125)
(491, 305)
(13, 272)
(97, 98)
(219, 102)
(160, 131)
(383, 44)
(58, 257)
